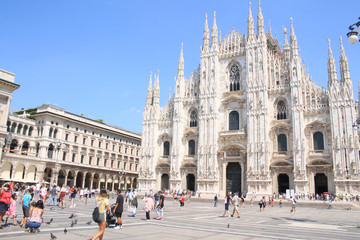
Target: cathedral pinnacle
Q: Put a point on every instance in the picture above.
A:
(286, 43)
(214, 33)
(344, 66)
(331, 66)
(293, 41)
(206, 35)
(250, 24)
(149, 92)
(181, 62)
(270, 28)
(260, 23)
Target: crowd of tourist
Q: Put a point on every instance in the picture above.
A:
(34, 198)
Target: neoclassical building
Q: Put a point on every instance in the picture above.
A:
(49, 144)
(250, 119)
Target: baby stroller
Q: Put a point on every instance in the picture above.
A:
(111, 218)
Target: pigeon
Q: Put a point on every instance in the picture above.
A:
(19, 222)
(228, 226)
(52, 236)
(52, 208)
(51, 220)
(65, 230)
(89, 222)
(72, 224)
(76, 221)
(72, 216)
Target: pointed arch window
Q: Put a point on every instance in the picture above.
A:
(234, 120)
(318, 138)
(191, 148)
(193, 119)
(234, 78)
(166, 148)
(282, 143)
(281, 110)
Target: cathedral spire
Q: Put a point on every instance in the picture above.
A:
(270, 28)
(293, 40)
(156, 94)
(149, 91)
(260, 23)
(169, 94)
(286, 43)
(206, 35)
(331, 67)
(181, 63)
(214, 33)
(250, 25)
(344, 66)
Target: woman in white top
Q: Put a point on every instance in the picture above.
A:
(43, 192)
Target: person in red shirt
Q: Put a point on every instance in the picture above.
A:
(5, 196)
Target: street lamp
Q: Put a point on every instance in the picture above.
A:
(122, 173)
(353, 35)
(58, 146)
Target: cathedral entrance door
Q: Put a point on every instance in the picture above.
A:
(233, 177)
(283, 183)
(190, 182)
(164, 181)
(321, 183)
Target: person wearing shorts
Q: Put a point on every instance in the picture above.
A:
(26, 207)
(118, 209)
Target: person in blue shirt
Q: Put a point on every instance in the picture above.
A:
(26, 207)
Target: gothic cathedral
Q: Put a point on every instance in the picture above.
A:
(250, 119)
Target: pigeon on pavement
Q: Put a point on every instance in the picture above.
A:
(52, 236)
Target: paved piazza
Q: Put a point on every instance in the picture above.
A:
(201, 220)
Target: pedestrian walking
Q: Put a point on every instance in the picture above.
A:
(216, 200)
(156, 198)
(73, 196)
(118, 209)
(160, 206)
(11, 210)
(86, 195)
(62, 200)
(330, 203)
(134, 205)
(235, 204)
(293, 204)
(182, 201)
(251, 202)
(43, 192)
(227, 202)
(52, 195)
(149, 205)
(5, 198)
(262, 204)
(281, 202)
(102, 202)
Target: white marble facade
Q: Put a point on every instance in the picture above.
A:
(251, 119)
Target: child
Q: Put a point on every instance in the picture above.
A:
(182, 201)
(11, 210)
(281, 202)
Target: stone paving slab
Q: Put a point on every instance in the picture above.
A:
(200, 220)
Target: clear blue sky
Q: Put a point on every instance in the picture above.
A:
(94, 57)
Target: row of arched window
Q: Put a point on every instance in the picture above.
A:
(318, 141)
(191, 148)
(19, 128)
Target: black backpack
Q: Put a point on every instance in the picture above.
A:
(96, 214)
